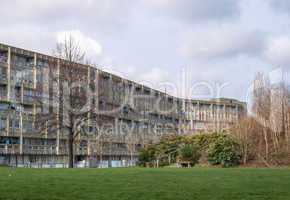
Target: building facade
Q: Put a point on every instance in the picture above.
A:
(128, 115)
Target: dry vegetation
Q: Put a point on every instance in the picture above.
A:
(264, 136)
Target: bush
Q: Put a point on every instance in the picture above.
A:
(224, 151)
(146, 156)
(189, 153)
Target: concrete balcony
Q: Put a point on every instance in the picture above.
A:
(22, 65)
(81, 151)
(3, 61)
(116, 152)
(14, 132)
(63, 151)
(9, 149)
(28, 100)
(3, 79)
(3, 132)
(39, 149)
(3, 75)
(3, 97)
(27, 84)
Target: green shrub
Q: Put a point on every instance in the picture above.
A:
(189, 153)
(224, 151)
(146, 156)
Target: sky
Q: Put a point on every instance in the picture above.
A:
(188, 48)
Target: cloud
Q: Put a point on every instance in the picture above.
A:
(222, 42)
(196, 10)
(28, 38)
(150, 76)
(92, 48)
(278, 51)
(280, 5)
(65, 12)
(155, 75)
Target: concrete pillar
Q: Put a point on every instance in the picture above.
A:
(116, 126)
(34, 114)
(8, 74)
(34, 71)
(46, 131)
(183, 106)
(237, 113)
(179, 126)
(6, 148)
(88, 148)
(21, 134)
(58, 131)
(57, 142)
(211, 112)
(224, 111)
(22, 93)
(88, 90)
(198, 111)
(111, 91)
(96, 92)
(191, 121)
(191, 116)
(7, 125)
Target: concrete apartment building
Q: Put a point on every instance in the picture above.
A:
(130, 115)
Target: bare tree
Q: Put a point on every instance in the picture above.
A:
(72, 95)
(247, 131)
(70, 49)
(271, 123)
(262, 106)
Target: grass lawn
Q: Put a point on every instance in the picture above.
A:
(147, 184)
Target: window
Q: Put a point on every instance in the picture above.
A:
(27, 126)
(3, 106)
(2, 124)
(3, 92)
(39, 76)
(14, 124)
(3, 57)
(28, 95)
(3, 73)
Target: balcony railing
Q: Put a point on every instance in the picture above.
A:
(9, 149)
(3, 60)
(14, 131)
(3, 75)
(28, 100)
(22, 82)
(3, 132)
(3, 96)
(51, 150)
(39, 149)
(27, 65)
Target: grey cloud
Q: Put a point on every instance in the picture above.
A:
(280, 5)
(62, 13)
(278, 51)
(196, 10)
(28, 38)
(223, 42)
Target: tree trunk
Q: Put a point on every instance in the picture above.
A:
(71, 149)
(131, 157)
(266, 143)
(245, 154)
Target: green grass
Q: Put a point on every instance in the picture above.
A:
(144, 184)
